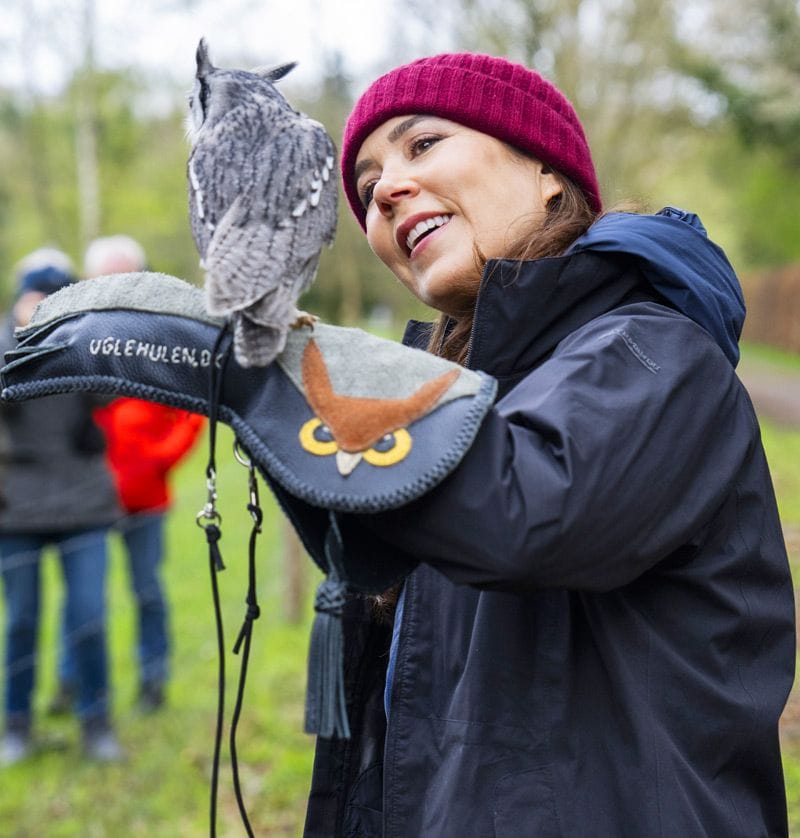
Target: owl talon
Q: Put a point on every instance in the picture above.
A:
(304, 319)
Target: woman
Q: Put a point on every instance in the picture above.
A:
(599, 638)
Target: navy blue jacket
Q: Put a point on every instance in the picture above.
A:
(598, 639)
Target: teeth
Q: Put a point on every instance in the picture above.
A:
(423, 226)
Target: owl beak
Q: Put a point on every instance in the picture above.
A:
(346, 462)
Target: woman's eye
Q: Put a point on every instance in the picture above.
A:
(421, 144)
(366, 193)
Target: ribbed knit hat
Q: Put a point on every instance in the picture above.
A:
(492, 95)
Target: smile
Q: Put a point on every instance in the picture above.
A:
(424, 227)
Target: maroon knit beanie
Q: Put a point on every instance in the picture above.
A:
(492, 95)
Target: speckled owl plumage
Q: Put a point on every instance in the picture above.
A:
(262, 202)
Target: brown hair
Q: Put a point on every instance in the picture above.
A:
(567, 216)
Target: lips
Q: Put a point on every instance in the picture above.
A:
(416, 226)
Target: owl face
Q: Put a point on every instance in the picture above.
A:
(317, 438)
(353, 429)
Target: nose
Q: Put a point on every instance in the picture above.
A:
(394, 186)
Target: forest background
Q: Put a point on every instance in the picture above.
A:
(695, 105)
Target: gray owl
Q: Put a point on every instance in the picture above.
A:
(262, 202)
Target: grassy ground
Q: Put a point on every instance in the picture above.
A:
(769, 354)
(162, 789)
(783, 451)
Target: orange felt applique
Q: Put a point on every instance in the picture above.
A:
(358, 423)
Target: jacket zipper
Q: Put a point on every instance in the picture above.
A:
(402, 643)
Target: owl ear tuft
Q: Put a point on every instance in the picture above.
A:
(275, 72)
(204, 65)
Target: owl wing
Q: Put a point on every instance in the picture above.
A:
(224, 164)
(201, 233)
(265, 250)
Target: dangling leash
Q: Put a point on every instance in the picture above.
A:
(253, 612)
(213, 519)
(209, 519)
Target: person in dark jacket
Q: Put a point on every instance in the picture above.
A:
(58, 492)
(144, 442)
(598, 638)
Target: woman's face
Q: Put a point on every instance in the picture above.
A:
(435, 190)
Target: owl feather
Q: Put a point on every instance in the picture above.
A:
(262, 202)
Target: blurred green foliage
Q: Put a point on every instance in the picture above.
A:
(141, 163)
(696, 107)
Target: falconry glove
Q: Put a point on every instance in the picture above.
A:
(343, 421)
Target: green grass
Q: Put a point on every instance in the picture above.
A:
(782, 445)
(771, 355)
(791, 771)
(783, 452)
(163, 788)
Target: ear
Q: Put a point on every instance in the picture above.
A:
(550, 185)
(275, 73)
(204, 65)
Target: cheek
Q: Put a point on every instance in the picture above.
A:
(504, 216)
(380, 243)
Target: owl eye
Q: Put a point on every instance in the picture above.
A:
(390, 449)
(322, 433)
(317, 438)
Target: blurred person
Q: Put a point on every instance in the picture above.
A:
(144, 442)
(58, 492)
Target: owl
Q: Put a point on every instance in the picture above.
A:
(355, 429)
(262, 202)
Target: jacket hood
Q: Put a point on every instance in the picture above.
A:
(679, 260)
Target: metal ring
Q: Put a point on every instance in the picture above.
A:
(211, 517)
(240, 456)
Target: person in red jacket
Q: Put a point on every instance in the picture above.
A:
(144, 442)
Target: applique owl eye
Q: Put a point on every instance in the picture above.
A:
(354, 428)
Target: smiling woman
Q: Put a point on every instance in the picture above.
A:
(598, 637)
(492, 195)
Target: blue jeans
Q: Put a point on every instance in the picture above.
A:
(84, 558)
(143, 535)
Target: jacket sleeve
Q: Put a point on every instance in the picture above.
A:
(170, 433)
(605, 459)
(181, 431)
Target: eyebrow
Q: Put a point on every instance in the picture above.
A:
(393, 136)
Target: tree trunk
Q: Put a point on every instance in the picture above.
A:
(87, 168)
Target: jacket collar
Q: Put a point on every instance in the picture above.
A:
(526, 308)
